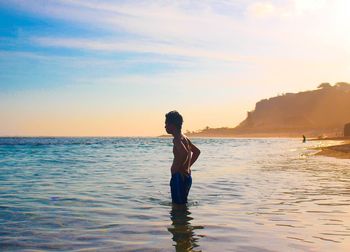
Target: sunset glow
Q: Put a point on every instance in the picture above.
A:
(114, 68)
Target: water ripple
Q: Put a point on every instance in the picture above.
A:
(112, 194)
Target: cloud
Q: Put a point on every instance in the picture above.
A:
(197, 32)
(304, 6)
(140, 47)
(261, 9)
(163, 20)
(288, 8)
(215, 30)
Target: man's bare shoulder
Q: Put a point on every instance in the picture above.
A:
(187, 139)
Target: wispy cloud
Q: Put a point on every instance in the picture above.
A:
(222, 30)
(288, 8)
(140, 47)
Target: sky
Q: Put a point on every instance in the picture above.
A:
(114, 68)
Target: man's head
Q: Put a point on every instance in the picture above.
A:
(173, 122)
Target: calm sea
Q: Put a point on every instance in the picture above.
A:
(112, 194)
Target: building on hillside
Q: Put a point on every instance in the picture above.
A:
(347, 130)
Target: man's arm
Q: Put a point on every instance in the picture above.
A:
(195, 152)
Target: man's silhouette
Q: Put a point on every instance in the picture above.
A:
(185, 154)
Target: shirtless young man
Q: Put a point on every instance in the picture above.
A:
(185, 154)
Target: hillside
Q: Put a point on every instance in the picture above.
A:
(321, 111)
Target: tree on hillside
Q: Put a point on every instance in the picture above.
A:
(342, 85)
(324, 85)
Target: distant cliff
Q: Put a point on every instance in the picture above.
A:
(322, 111)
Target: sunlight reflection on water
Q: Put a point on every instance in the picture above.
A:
(112, 194)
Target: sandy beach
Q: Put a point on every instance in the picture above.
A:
(341, 150)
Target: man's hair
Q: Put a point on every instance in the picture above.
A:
(174, 118)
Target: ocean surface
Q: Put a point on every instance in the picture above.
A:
(112, 194)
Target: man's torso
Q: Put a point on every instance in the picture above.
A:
(185, 167)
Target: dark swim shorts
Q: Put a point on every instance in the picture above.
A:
(180, 185)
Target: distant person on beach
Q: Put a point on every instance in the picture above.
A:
(304, 138)
(185, 154)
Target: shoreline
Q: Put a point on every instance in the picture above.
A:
(341, 150)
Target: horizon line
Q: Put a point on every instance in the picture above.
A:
(57, 136)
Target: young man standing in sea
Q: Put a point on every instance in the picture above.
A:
(185, 154)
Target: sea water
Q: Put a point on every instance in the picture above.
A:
(112, 194)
